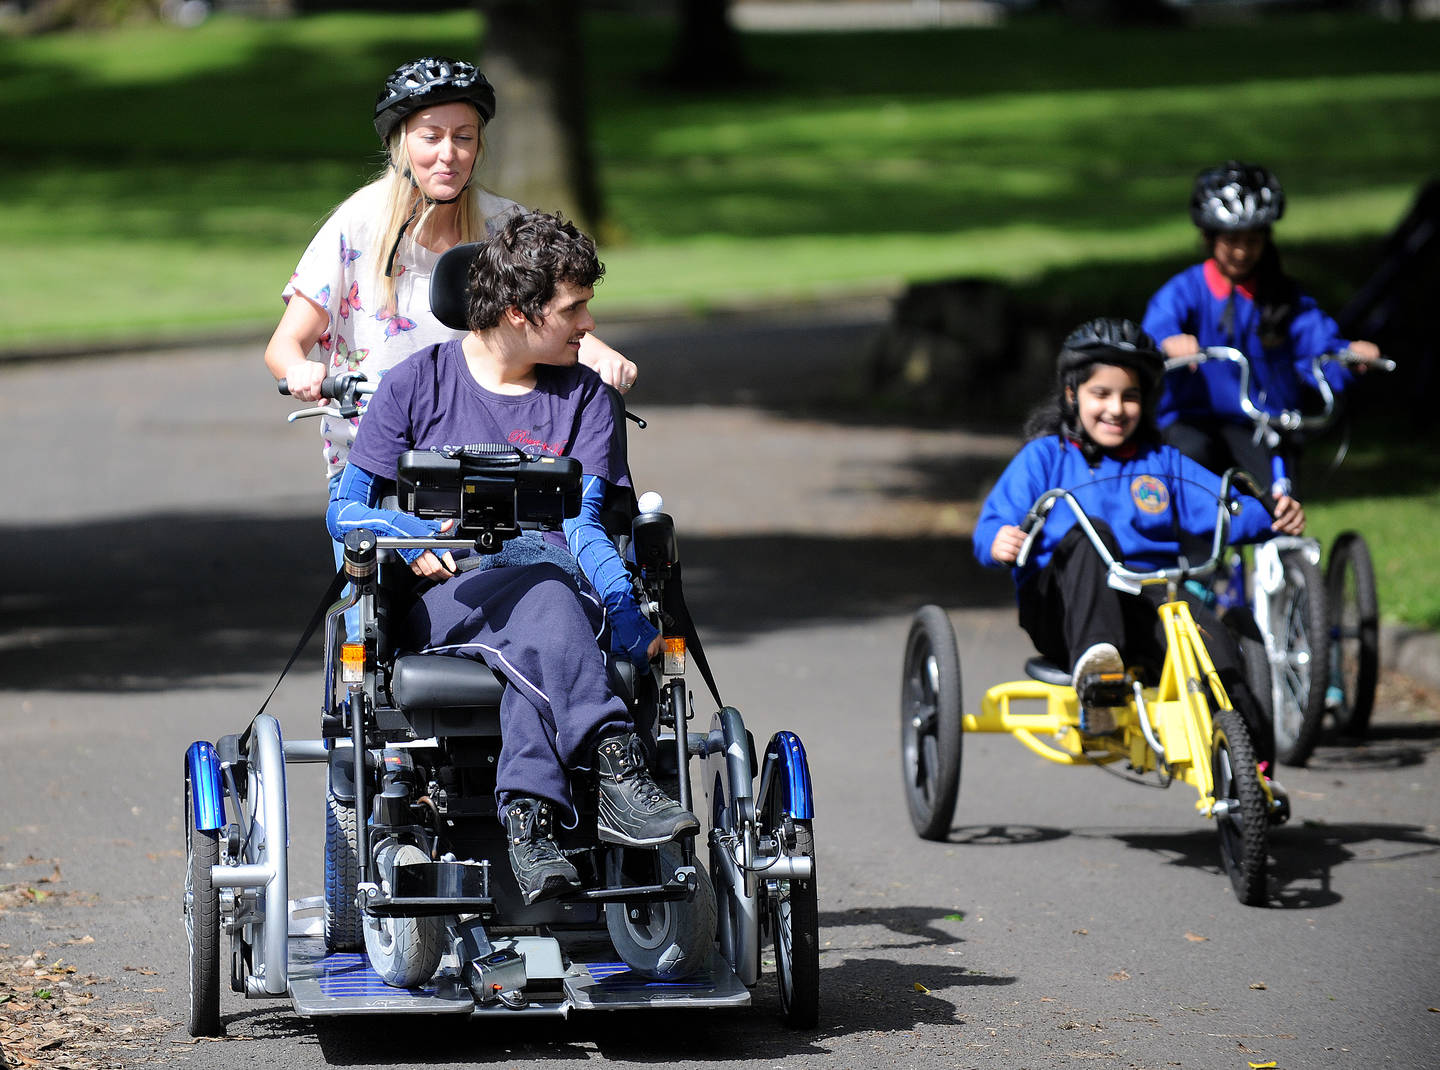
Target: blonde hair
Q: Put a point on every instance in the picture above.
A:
(402, 199)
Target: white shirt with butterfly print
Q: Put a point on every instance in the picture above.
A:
(337, 272)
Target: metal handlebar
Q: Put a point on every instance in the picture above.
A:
(345, 390)
(1131, 580)
(1289, 419)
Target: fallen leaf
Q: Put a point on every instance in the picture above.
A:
(1264, 1066)
(921, 988)
(1257, 986)
(144, 971)
(1119, 975)
(1081, 932)
(1195, 939)
(953, 917)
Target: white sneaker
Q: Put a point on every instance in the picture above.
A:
(1102, 657)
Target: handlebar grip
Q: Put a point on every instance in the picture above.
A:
(334, 387)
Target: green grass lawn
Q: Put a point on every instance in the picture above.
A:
(161, 183)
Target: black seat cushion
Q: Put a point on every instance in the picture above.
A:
(442, 695)
(447, 696)
(1047, 672)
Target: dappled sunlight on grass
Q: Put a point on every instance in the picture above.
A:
(205, 159)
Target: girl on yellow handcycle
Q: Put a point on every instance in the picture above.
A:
(1092, 515)
(1097, 438)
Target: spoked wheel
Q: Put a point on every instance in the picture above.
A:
(1355, 634)
(202, 922)
(665, 939)
(403, 951)
(793, 915)
(1240, 810)
(931, 732)
(344, 922)
(1303, 634)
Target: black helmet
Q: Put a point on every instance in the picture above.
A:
(1236, 196)
(1113, 341)
(427, 81)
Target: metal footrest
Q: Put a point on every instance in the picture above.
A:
(599, 986)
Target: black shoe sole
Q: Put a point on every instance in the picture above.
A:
(615, 836)
(553, 888)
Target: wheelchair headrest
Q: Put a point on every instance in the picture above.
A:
(448, 299)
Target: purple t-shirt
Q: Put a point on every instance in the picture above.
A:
(431, 399)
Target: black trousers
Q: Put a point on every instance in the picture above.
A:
(1217, 446)
(1067, 608)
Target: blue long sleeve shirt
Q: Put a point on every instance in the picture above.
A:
(1195, 302)
(1153, 499)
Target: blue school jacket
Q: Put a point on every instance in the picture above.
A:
(1194, 302)
(1150, 496)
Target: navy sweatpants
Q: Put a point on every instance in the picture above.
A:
(533, 625)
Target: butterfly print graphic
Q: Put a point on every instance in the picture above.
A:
(394, 323)
(347, 358)
(350, 302)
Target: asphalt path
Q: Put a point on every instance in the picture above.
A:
(162, 547)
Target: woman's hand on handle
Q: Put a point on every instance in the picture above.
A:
(303, 380)
(1006, 547)
(1289, 516)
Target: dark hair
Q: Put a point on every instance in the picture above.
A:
(520, 265)
(1116, 342)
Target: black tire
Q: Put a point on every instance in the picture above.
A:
(1255, 666)
(1355, 633)
(1243, 823)
(671, 939)
(403, 951)
(1303, 633)
(794, 910)
(931, 732)
(202, 923)
(344, 920)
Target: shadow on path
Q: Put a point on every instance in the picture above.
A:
(173, 600)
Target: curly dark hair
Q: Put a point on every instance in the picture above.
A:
(521, 264)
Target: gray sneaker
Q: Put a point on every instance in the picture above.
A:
(540, 869)
(633, 810)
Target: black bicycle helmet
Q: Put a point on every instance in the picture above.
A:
(1236, 196)
(1113, 341)
(425, 82)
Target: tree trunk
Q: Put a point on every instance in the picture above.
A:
(707, 49)
(537, 148)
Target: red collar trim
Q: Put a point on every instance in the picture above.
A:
(1122, 453)
(1220, 286)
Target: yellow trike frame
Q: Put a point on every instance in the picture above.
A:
(1184, 728)
(1175, 712)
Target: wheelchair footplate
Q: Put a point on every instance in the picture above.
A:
(530, 976)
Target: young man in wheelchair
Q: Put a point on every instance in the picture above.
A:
(538, 611)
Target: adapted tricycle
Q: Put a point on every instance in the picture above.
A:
(1178, 725)
(1320, 623)
(420, 913)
